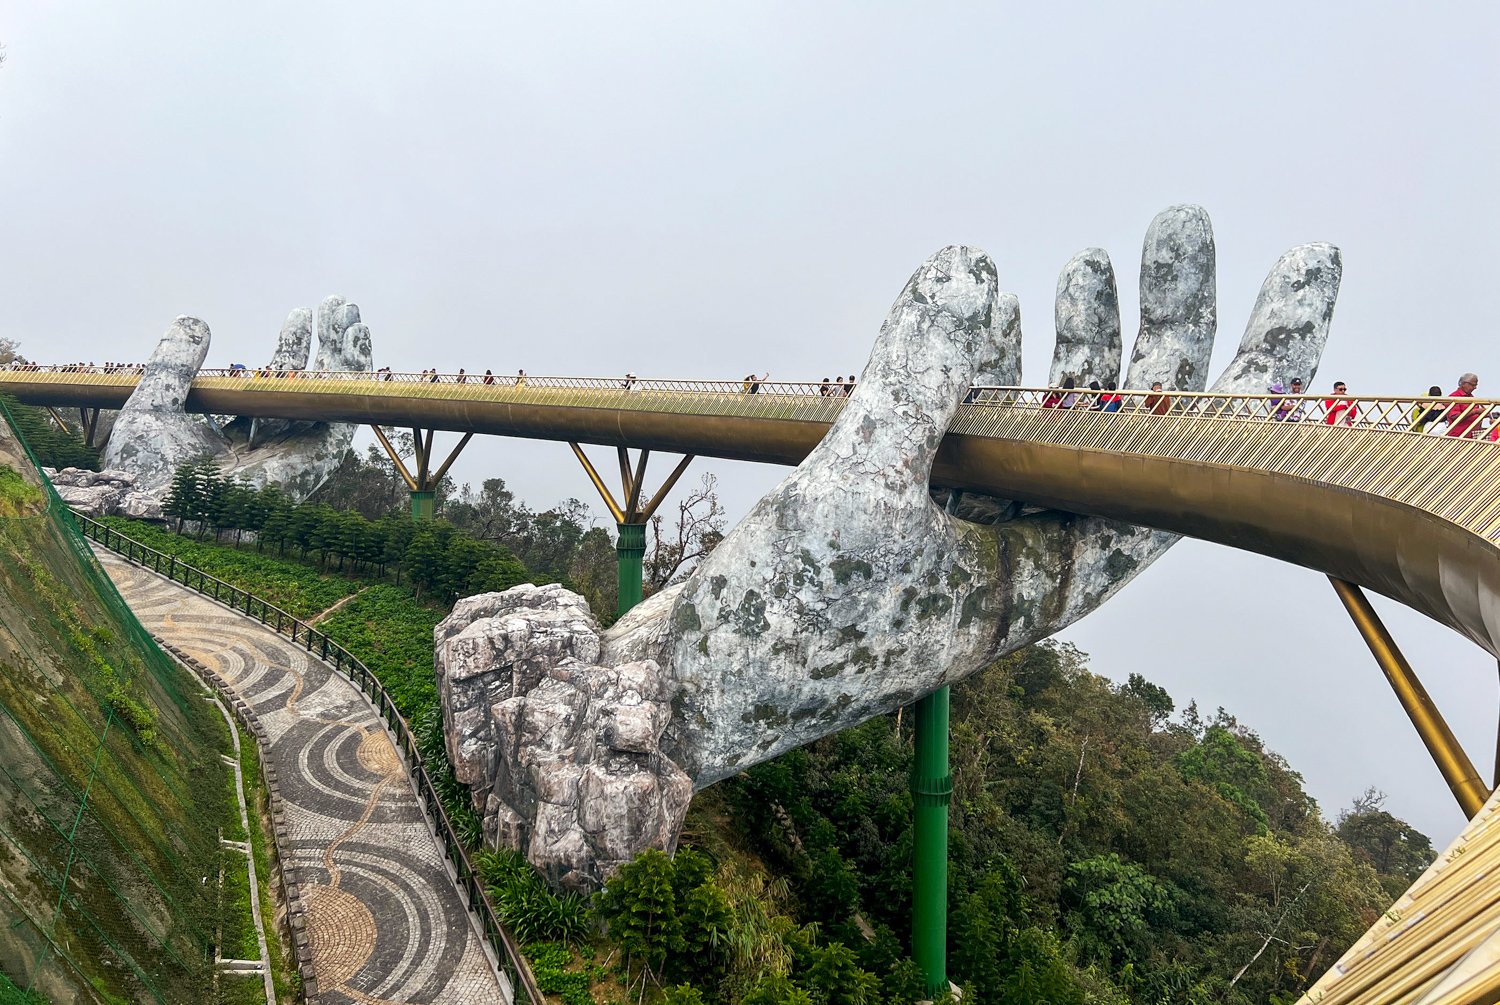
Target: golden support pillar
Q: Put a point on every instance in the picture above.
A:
(424, 482)
(1457, 770)
(632, 517)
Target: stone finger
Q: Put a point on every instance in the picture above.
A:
(152, 435)
(1178, 307)
(335, 317)
(174, 363)
(294, 342)
(1088, 321)
(1288, 328)
(920, 369)
(998, 363)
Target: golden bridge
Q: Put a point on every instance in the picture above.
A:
(1378, 499)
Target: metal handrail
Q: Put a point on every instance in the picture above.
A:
(1476, 417)
(350, 666)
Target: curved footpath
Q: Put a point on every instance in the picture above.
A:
(385, 922)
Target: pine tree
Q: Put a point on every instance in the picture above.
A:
(182, 499)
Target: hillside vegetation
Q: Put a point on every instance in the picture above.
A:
(112, 792)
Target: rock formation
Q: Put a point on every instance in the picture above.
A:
(586, 784)
(845, 592)
(103, 493)
(153, 436)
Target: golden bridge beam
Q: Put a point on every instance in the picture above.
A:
(1458, 771)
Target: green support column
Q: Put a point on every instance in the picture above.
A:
(631, 549)
(931, 788)
(422, 505)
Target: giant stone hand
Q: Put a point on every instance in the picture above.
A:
(152, 435)
(846, 592)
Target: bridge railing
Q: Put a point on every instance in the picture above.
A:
(301, 633)
(1476, 418)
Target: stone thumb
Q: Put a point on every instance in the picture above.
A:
(174, 363)
(923, 363)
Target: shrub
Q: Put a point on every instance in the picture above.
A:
(521, 897)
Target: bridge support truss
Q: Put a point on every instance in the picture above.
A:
(1457, 770)
(88, 423)
(632, 517)
(424, 482)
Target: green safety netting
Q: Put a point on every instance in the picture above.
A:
(112, 791)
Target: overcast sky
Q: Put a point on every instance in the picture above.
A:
(703, 190)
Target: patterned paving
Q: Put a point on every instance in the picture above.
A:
(383, 918)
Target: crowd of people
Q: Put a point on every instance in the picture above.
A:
(837, 388)
(1429, 413)
(136, 369)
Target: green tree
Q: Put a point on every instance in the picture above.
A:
(276, 521)
(212, 488)
(1111, 907)
(423, 560)
(639, 905)
(1398, 852)
(1157, 701)
(183, 498)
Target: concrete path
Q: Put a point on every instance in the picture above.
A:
(384, 920)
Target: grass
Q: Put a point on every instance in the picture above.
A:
(288, 981)
(10, 994)
(391, 633)
(295, 587)
(17, 496)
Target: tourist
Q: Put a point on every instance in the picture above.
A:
(1095, 401)
(1157, 403)
(1054, 397)
(489, 377)
(1069, 397)
(826, 389)
(520, 378)
(1110, 400)
(1462, 418)
(1298, 404)
(848, 387)
(463, 378)
(838, 387)
(1280, 407)
(629, 381)
(1422, 415)
(1340, 408)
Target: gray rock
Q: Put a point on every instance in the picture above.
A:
(140, 506)
(93, 493)
(562, 754)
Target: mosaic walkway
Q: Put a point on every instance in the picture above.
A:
(384, 921)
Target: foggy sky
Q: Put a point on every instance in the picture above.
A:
(703, 190)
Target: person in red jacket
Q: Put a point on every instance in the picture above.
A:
(1340, 409)
(1462, 418)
